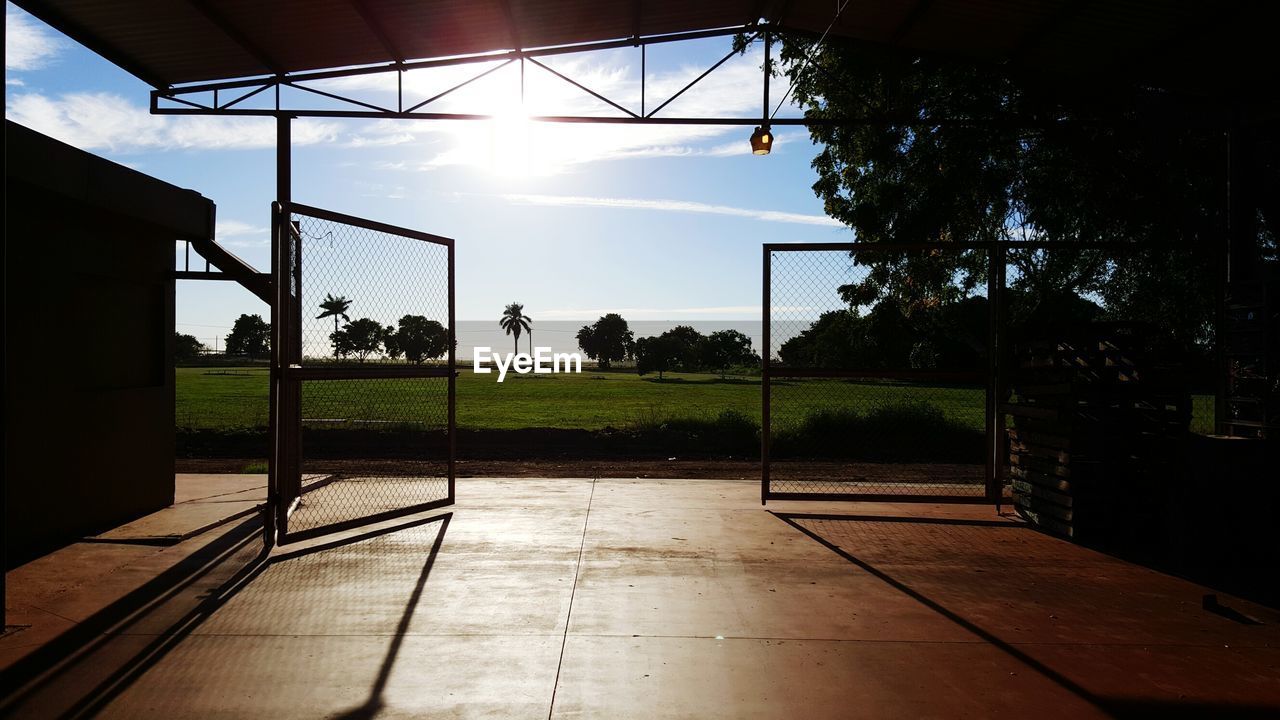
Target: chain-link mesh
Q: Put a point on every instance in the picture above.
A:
(370, 447)
(358, 287)
(374, 320)
(876, 372)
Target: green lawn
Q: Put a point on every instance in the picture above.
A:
(230, 398)
(237, 398)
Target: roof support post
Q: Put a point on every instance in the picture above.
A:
(765, 116)
(1242, 211)
(276, 459)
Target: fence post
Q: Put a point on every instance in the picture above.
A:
(995, 388)
(281, 271)
(452, 420)
(765, 427)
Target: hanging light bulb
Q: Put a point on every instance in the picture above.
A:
(761, 140)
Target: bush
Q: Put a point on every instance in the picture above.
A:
(900, 432)
(730, 432)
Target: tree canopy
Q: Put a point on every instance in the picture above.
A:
(358, 338)
(186, 347)
(725, 349)
(1078, 170)
(685, 349)
(250, 336)
(607, 340)
(515, 322)
(658, 354)
(418, 339)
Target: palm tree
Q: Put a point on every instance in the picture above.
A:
(335, 307)
(514, 321)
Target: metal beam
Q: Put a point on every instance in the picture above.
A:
(693, 82)
(376, 27)
(895, 120)
(1161, 116)
(582, 87)
(459, 86)
(512, 27)
(234, 35)
(465, 59)
(909, 21)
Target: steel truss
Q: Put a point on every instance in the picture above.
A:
(228, 97)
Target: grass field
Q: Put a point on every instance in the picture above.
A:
(236, 398)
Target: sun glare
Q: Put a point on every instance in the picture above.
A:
(514, 149)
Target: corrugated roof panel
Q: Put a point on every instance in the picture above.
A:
(444, 28)
(305, 34)
(168, 40)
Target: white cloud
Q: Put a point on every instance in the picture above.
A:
(671, 206)
(106, 121)
(234, 233)
(28, 45)
(235, 228)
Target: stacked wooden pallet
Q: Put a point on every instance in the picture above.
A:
(1253, 360)
(1097, 416)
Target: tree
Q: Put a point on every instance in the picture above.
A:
(606, 341)
(418, 338)
(658, 354)
(1069, 179)
(391, 343)
(334, 307)
(186, 347)
(724, 349)
(689, 340)
(250, 336)
(360, 338)
(514, 321)
(829, 342)
(953, 337)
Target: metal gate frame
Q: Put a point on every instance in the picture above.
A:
(288, 373)
(993, 446)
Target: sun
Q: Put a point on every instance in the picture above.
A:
(516, 146)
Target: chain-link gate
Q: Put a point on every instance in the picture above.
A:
(875, 373)
(1062, 372)
(363, 356)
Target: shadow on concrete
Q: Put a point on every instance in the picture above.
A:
(34, 673)
(912, 555)
(374, 703)
(80, 673)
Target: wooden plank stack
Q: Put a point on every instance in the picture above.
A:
(1253, 360)
(1097, 416)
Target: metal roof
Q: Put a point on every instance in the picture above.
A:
(1218, 49)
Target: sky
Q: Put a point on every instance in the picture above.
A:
(657, 223)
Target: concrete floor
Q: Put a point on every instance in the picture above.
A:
(676, 599)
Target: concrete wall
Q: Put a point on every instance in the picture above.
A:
(89, 303)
